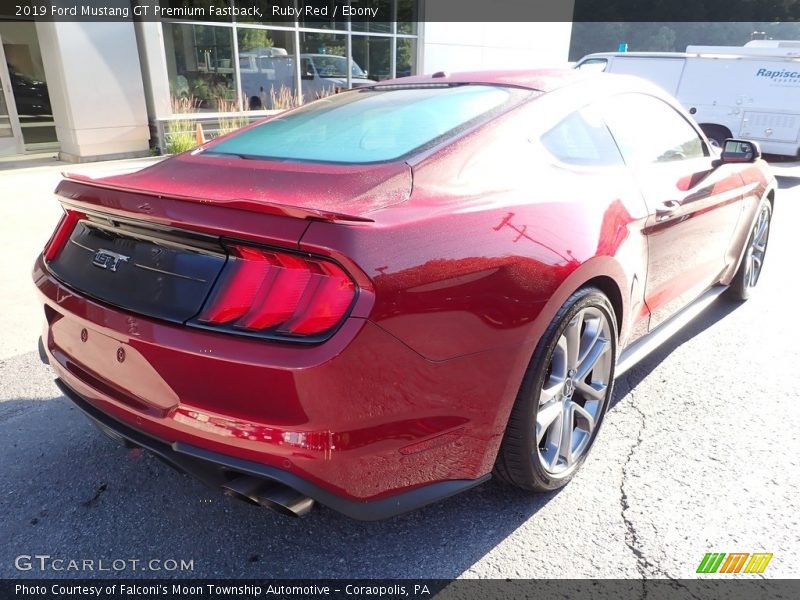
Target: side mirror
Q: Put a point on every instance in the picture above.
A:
(740, 151)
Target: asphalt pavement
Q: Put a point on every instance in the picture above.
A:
(699, 453)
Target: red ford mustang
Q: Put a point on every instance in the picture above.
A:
(379, 299)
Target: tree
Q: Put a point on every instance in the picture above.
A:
(250, 39)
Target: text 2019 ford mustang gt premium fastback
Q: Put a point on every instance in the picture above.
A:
(379, 299)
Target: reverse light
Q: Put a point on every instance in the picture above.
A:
(62, 233)
(279, 294)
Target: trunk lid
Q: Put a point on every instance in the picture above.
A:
(152, 242)
(305, 190)
(163, 276)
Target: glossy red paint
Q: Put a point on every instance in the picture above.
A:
(62, 233)
(274, 186)
(543, 80)
(461, 256)
(311, 410)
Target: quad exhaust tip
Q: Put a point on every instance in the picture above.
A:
(269, 494)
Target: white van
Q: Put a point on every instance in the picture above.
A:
(750, 91)
(272, 70)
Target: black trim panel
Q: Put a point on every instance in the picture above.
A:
(215, 469)
(138, 273)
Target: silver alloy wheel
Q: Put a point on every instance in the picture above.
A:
(573, 396)
(754, 258)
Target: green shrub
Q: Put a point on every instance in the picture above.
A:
(230, 122)
(180, 133)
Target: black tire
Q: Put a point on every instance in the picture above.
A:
(518, 461)
(716, 133)
(745, 280)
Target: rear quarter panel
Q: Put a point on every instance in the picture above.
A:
(495, 237)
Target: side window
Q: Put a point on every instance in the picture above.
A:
(649, 130)
(582, 139)
(306, 68)
(593, 65)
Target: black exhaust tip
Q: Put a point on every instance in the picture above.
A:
(272, 495)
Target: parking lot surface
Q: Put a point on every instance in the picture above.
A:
(700, 453)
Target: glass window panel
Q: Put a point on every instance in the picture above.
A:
(200, 65)
(5, 122)
(407, 16)
(323, 66)
(184, 10)
(365, 22)
(267, 17)
(267, 68)
(593, 64)
(371, 125)
(28, 82)
(582, 139)
(325, 21)
(406, 57)
(649, 130)
(373, 56)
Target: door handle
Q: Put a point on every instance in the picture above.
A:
(666, 209)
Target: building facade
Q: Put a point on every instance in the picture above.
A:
(101, 90)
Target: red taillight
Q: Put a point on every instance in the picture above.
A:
(63, 230)
(263, 290)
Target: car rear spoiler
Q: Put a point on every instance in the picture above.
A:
(260, 206)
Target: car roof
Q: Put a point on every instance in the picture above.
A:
(636, 55)
(576, 84)
(543, 80)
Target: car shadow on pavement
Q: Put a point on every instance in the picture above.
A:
(70, 492)
(717, 311)
(785, 182)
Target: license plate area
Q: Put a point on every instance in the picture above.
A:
(115, 368)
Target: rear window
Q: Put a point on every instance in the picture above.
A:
(371, 125)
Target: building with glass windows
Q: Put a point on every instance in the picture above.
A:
(100, 90)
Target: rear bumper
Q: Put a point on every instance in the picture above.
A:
(360, 423)
(217, 469)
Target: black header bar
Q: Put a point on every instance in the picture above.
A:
(307, 12)
(729, 588)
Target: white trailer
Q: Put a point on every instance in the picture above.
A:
(750, 91)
